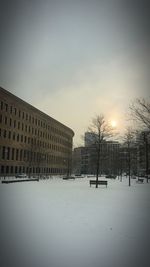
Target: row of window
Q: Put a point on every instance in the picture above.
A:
(25, 116)
(11, 153)
(34, 170)
(30, 130)
(35, 143)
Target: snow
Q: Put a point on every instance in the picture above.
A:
(67, 223)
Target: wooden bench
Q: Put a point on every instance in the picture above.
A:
(99, 182)
(140, 180)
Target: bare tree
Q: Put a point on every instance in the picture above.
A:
(140, 111)
(99, 130)
(129, 138)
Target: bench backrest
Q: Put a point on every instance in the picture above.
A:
(99, 182)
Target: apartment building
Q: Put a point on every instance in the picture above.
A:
(31, 141)
(85, 158)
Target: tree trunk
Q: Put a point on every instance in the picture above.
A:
(129, 167)
(97, 169)
(146, 155)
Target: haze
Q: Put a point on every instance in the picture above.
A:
(75, 59)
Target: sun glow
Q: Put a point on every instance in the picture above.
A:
(113, 123)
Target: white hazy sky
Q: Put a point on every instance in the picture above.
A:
(75, 59)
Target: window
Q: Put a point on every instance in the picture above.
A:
(12, 153)
(5, 133)
(10, 122)
(17, 153)
(3, 152)
(8, 153)
(9, 135)
(24, 155)
(17, 137)
(1, 118)
(6, 107)
(21, 152)
(11, 169)
(16, 169)
(7, 169)
(5, 120)
(1, 105)
(13, 136)
(2, 169)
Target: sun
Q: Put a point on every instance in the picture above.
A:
(113, 123)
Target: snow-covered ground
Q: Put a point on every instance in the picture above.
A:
(67, 223)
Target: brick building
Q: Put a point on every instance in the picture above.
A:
(31, 141)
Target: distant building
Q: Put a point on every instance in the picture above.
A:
(31, 141)
(143, 157)
(85, 158)
(81, 159)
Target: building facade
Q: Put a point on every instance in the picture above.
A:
(31, 141)
(85, 158)
(143, 148)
